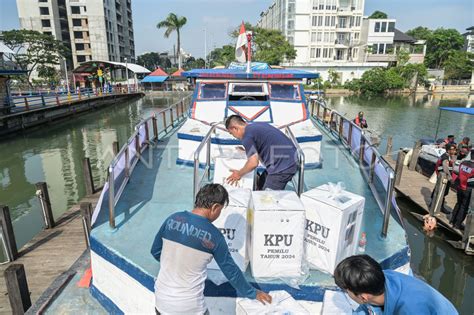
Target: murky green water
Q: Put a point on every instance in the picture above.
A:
(54, 154)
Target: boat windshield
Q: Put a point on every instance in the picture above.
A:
(285, 91)
(212, 91)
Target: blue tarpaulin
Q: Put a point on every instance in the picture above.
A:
(258, 74)
(154, 79)
(463, 110)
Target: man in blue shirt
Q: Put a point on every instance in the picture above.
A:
(184, 246)
(394, 293)
(268, 144)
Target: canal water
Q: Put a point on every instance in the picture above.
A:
(54, 155)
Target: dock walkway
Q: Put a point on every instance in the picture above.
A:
(49, 254)
(417, 188)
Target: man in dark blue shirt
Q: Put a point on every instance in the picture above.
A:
(268, 144)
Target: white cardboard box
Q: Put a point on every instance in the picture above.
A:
(276, 221)
(222, 170)
(282, 304)
(233, 224)
(332, 226)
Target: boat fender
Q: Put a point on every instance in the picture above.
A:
(429, 223)
(407, 159)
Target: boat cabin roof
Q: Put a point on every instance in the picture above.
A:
(266, 74)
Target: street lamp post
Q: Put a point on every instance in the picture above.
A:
(126, 72)
(67, 79)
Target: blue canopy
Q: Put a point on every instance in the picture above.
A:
(154, 79)
(463, 110)
(258, 74)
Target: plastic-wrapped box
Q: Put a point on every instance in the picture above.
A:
(222, 170)
(282, 304)
(276, 221)
(333, 221)
(233, 224)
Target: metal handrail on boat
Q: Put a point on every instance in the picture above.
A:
(301, 161)
(207, 169)
(130, 153)
(335, 125)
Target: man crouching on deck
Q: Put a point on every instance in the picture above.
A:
(264, 142)
(185, 244)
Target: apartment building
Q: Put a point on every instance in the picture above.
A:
(320, 30)
(91, 29)
(469, 40)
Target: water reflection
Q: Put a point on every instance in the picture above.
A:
(54, 155)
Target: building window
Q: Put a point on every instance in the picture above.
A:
(45, 23)
(78, 35)
(358, 21)
(79, 46)
(326, 37)
(318, 52)
(314, 21)
(42, 0)
(291, 25)
(342, 22)
(377, 27)
(330, 52)
(391, 27)
(351, 21)
(355, 53)
(76, 10)
(325, 53)
(327, 21)
(81, 58)
(333, 21)
(356, 36)
(384, 27)
(48, 33)
(313, 37)
(319, 37)
(381, 49)
(332, 37)
(312, 53)
(76, 22)
(320, 20)
(389, 49)
(44, 11)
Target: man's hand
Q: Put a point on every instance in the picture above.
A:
(263, 297)
(233, 178)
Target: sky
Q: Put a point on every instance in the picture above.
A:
(219, 17)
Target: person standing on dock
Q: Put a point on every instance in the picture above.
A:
(387, 291)
(445, 164)
(184, 246)
(463, 148)
(264, 142)
(465, 184)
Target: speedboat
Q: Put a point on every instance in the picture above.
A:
(174, 152)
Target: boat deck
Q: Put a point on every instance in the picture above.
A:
(158, 189)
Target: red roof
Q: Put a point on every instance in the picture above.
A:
(178, 73)
(158, 73)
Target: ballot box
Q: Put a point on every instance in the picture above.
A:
(222, 170)
(333, 221)
(233, 225)
(276, 235)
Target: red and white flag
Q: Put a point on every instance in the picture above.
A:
(241, 43)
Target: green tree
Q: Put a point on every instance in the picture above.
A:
(174, 23)
(373, 81)
(420, 33)
(458, 65)
(50, 74)
(378, 15)
(439, 46)
(33, 49)
(268, 46)
(193, 63)
(150, 60)
(222, 56)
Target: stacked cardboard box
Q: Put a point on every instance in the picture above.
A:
(224, 166)
(276, 221)
(333, 222)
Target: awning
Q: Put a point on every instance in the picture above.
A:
(5, 49)
(92, 65)
(463, 110)
(154, 79)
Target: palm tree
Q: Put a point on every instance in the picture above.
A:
(173, 23)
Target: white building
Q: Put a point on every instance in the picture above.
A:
(469, 40)
(91, 29)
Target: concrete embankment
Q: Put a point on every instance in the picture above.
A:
(16, 122)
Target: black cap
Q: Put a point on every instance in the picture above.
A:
(450, 136)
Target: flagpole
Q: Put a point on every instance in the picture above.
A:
(205, 48)
(249, 51)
